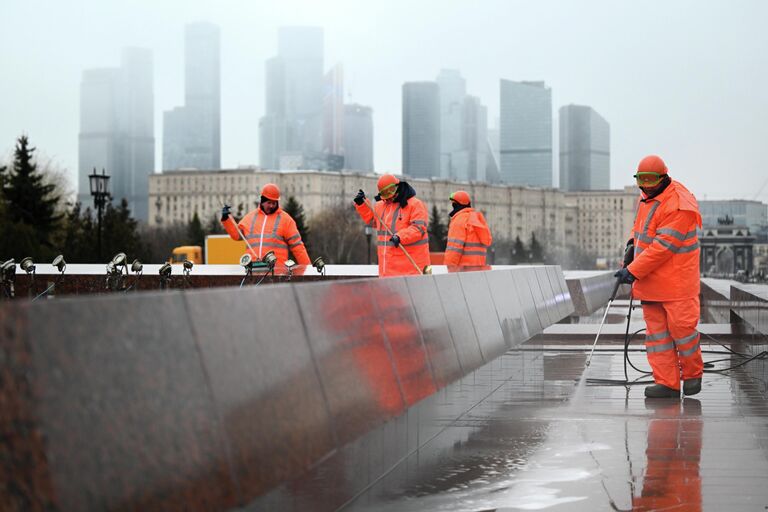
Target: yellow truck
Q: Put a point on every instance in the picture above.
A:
(219, 250)
(192, 253)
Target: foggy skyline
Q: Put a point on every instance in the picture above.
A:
(687, 80)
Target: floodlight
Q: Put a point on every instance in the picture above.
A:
(6, 266)
(188, 265)
(111, 269)
(319, 264)
(59, 263)
(245, 260)
(137, 266)
(27, 265)
(165, 270)
(289, 264)
(270, 259)
(119, 259)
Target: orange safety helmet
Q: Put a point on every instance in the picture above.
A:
(387, 186)
(271, 192)
(461, 197)
(652, 163)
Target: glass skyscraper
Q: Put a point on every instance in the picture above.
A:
(585, 149)
(117, 129)
(525, 137)
(421, 129)
(192, 133)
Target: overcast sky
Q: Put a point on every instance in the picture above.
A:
(687, 80)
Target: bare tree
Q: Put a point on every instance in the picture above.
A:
(159, 241)
(338, 236)
(58, 176)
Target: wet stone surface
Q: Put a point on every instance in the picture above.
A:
(539, 441)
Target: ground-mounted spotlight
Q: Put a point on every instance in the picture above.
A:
(319, 265)
(186, 269)
(165, 275)
(289, 265)
(8, 277)
(120, 261)
(270, 259)
(59, 263)
(245, 260)
(27, 265)
(114, 281)
(61, 266)
(138, 269)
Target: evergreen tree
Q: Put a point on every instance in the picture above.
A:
(536, 251)
(294, 208)
(30, 204)
(214, 226)
(518, 252)
(78, 238)
(195, 231)
(120, 233)
(438, 232)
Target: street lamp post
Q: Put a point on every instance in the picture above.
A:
(368, 235)
(100, 193)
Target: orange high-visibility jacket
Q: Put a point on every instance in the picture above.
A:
(410, 224)
(468, 239)
(666, 263)
(276, 232)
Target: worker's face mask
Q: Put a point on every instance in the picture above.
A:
(269, 207)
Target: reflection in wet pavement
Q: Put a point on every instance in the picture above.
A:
(531, 445)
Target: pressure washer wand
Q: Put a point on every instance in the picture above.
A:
(381, 222)
(599, 329)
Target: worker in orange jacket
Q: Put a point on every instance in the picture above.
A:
(268, 228)
(662, 264)
(468, 234)
(406, 217)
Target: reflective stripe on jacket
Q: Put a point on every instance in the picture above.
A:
(666, 262)
(410, 224)
(468, 239)
(275, 232)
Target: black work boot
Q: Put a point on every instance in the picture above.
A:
(661, 391)
(691, 386)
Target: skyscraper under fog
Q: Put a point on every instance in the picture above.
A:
(421, 129)
(293, 123)
(117, 128)
(585, 154)
(358, 137)
(192, 133)
(525, 137)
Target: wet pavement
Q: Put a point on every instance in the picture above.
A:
(544, 438)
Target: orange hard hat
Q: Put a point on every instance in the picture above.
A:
(387, 185)
(652, 163)
(461, 197)
(271, 192)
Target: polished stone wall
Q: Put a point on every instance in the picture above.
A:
(749, 302)
(220, 399)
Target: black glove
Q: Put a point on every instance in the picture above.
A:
(629, 253)
(395, 240)
(624, 276)
(225, 213)
(359, 198)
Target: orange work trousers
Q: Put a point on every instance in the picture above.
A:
(672, 341)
